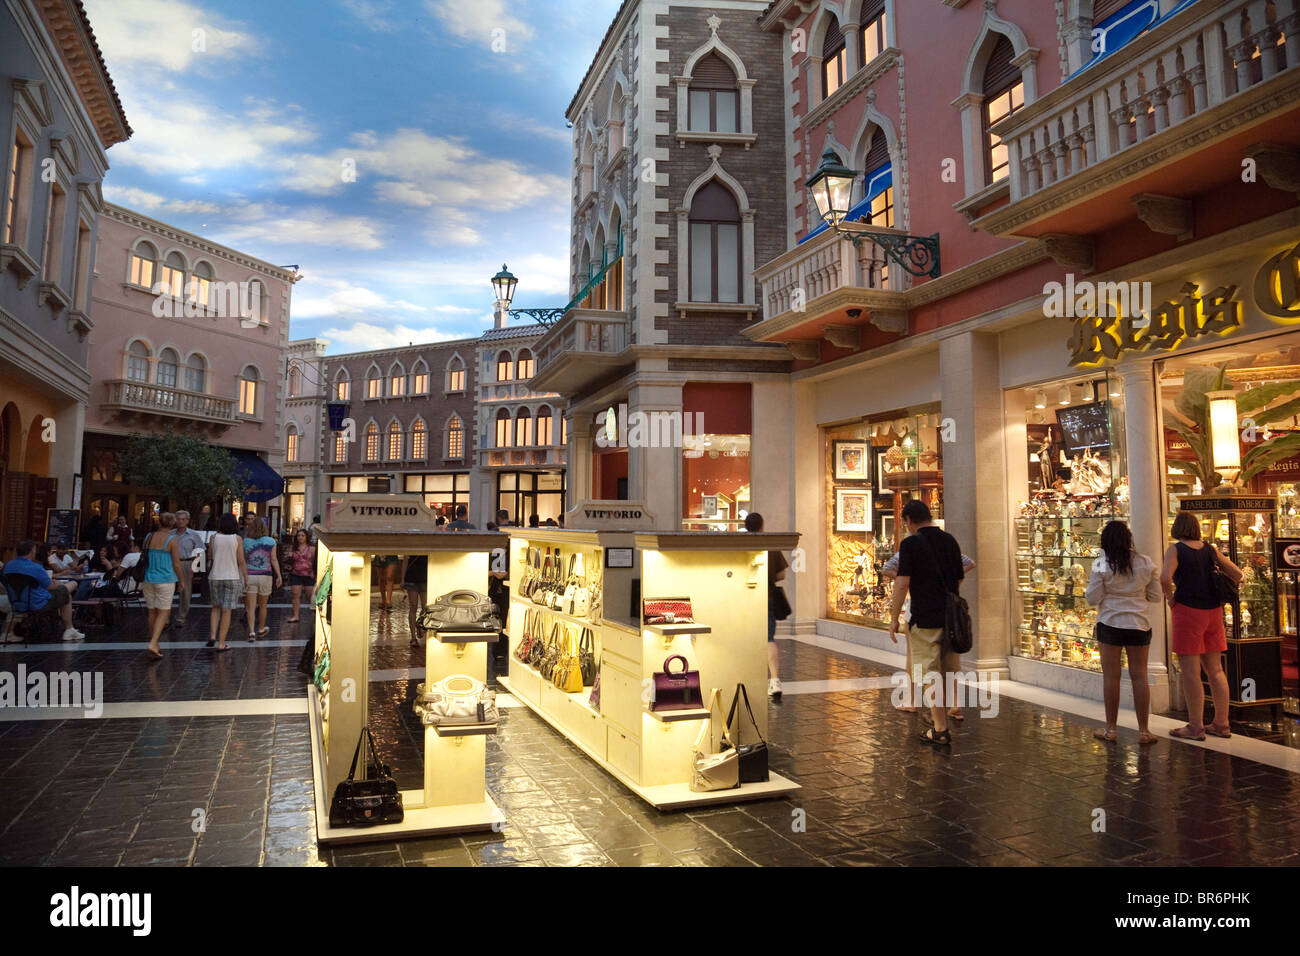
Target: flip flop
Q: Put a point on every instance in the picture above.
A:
(1185, 733)
(222, 650)
(291, 620)
(1109, 736)
(155, 655)
(1147, 738)
(908, 710)
(211, 643)
(957, 714)
(1225, 734)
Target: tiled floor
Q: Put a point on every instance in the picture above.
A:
(1030, 786)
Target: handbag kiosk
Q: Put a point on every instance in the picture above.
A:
(454, 797)
(724, 575)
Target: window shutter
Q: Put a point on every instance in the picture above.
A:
(878, 154)
(713, 73)
(871, 9)
(834, 39)
(714, 203)
(1000, 71)
(1101, 9)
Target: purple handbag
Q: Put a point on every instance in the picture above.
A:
(677, 691)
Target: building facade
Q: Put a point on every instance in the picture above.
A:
(189, 336)
(305, 427)
(59, 114)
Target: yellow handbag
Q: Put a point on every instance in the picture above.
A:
(567, 673)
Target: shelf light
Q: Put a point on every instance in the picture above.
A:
(1040, 400)
(1064, 398)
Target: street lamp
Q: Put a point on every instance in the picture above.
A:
(503, 284)
(832, 190)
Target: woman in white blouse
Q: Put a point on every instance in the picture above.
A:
(1123, 585)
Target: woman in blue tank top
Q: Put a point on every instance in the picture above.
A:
(162, 571)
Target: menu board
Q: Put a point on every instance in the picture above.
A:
(62, 526)
(15, 508)
(1085, 428)
(44, 495)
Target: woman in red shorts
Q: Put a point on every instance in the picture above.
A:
(1198, 634)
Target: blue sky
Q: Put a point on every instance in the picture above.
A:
(459, 147)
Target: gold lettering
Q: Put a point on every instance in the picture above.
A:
(1219, 313)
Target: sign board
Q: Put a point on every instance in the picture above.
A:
(1085, 427)
(611, 516)
(1229, 503)
(368, 512)
(62, 525)
(1286, 555)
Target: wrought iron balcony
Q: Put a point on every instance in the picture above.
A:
(142, 398)
(1212, 70)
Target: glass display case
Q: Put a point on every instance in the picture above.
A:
(1057, 539)
(1241, 527)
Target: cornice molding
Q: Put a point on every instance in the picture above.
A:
(66, 23)
(855, 84)
(139, 220)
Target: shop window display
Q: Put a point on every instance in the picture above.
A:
(1076, 482)
(874, 466)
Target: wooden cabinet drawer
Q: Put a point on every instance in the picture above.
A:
(524, 682)
(589, 728)
(623, 642)
(620, 699)
(623, 753)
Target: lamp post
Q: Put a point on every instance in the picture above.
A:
(503, 285)
(1225, 449)
(832, 190)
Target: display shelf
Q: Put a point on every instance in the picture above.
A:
(570, 618)
(465, 730)
(463, 637)
(672, 630)
(1055, 553)
(672, 716)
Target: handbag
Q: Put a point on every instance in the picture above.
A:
(566, 673)
(461, 610)
(780, 604)
(667, 611)
(594, 699)
(676, 691)
(587, 657)
(753, 757)
(526, 640)
(551, 654)
(1225, 589)
(456, 699)
(321, 673)
(368, 802)
(958, 634)
(581, 597)
(538, 648)
(326, 584)
(540, 592)
(713, 770)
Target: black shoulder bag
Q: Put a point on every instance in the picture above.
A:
(1225, 589)
(753, 757)
(366, 803)
(958, 635)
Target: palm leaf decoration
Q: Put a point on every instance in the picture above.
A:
(1266, 454)
(1256, 399)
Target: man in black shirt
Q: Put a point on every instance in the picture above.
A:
(929, 565)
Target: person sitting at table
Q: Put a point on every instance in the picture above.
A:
(44, 595)
(61, 560)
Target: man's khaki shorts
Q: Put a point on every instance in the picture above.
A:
(927, 655)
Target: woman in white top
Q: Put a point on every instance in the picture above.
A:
(1123, 585)
(226, 570)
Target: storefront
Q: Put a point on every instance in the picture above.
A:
(522, 494)
(442, 492)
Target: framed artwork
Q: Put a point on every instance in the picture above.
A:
(852, 509)
(709, 505)
(882, 480)
(852, 460)
(887, 529)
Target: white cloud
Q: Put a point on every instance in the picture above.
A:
(373, 14)
(483, 22)
(366, 335)
(168, 35)
(273, 224)
(454, 309)
(521, 125)
(323, 298)
(145, 201)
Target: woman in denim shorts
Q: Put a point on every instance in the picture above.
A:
(226, 572)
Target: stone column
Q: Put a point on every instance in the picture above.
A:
(975, 510)
(578, 481)
(1147, 505)
(654, 474)
(65, 451)
(807, 588)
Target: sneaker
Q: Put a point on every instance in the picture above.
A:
(72, 634)
(774, 688)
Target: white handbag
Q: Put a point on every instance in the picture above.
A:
(456, 699)
(711, 770)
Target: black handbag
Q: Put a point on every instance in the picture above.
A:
(753, 757)
(462, 610)
(958, 634)
(369, 802)
(1224, 587)
(780, 604)
(587, 657)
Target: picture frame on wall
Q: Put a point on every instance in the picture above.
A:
(852, 509)
(882, 481)
(887, 528)
(852, 460)
(709, 505)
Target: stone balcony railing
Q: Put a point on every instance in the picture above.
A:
(580, 344)
(825, 264)
(1196, 68)
(129, 396)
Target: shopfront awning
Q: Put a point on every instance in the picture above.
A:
(262, 482)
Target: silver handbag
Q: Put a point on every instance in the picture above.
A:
(710, 769)
(456, 699)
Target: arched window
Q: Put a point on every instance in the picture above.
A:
(882, 204)
(872, 29)
(171, 277)
(137, 362)
(503, 428)
(291, 444)
(295, 381)
(524, 366)
(394, 441)
(523, 428)
(420, 378)
(248, 389)
(374, 384)
(340, 447)
(201, 285)
(833, 57)
(196, 374)
(505, 367)
(1004, 94)
(372, 442)
(714, 97)
(419, 440)
(544, 425)
(168, 365)
(144, 264)
(455, 375)
(715, 245)
(259, 301)
(342, 386)
(455, 439)
(397, 380)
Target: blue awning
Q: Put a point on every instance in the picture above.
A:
(878, 180)
(263, 483)
(1124, 26)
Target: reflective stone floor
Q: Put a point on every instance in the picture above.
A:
(1031, 786)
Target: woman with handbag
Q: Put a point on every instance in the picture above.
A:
(1123, 585)
(778, 605)
(1198, 636)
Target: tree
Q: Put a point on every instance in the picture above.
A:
(181, 466)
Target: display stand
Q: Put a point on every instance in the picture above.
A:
(454, 796)
(649, 751)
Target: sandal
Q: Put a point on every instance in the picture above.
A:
(908, 710)
(957, 714)
(291, 620)
(932, 736)
(1109, 736)
(1185, 733)
(414, 642)
(1214, 732)
(1146, 737)
(263, 632)
(212, 642)
(156, 655)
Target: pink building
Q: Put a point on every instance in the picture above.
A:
(187, 334)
